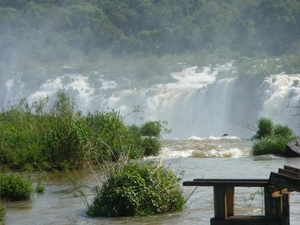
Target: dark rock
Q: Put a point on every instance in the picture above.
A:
(292, 149)
(295, 83)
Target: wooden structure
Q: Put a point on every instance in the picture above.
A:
(276, 197)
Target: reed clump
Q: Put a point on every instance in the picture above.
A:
(137, 189)
(14, 187)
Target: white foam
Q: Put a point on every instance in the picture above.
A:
(169, 153)
(192, 78)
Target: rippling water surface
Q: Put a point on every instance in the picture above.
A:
(224, 157)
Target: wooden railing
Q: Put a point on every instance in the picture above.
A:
(276, 197)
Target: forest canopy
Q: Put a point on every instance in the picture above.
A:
(85, 33)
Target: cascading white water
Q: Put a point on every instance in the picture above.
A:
(280, 97)
(10, 92)
(196, 104)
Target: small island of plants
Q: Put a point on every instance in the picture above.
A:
(137, 189)
(271, 138)
(14, 187)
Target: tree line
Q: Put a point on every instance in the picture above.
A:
(80, 31)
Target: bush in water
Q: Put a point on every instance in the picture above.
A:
(271, 145)
(2, 213)
(14, 187)
(272, 138)
(137, 189)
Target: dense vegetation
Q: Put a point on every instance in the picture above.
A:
(56, 135)
(271, 139)
(144, 39)
(137, 189)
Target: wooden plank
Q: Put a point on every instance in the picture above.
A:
(294, 169)
(289, 173)
(250, 220)
(230, 201)
(283, 181)
(270, 204)
(228, 182)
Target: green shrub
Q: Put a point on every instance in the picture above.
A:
(39, 188)
(151, 129)
(137, 189)
(284, 131)
(14, 187)
(151, 146)
(2, 213)
(272, 138)
(265, 128)
(271, 145)
(111, 139)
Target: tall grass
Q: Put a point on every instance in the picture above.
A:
(55, 135)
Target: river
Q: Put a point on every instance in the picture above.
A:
(212, 157)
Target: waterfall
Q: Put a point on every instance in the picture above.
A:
(197, 103)
(280, 98)
(11, 92)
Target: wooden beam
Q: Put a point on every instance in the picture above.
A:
(228, 182)
(282, 181)
(289, 173)
(297, 170)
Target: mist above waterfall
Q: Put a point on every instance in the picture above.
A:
(196, 104)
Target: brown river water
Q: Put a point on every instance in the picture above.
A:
(226, 157)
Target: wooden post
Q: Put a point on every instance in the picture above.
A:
(286, 204)
(220, 205)
(230, 200)
(223, 201)
(270, 204)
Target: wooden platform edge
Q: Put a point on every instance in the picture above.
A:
(228, 182)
